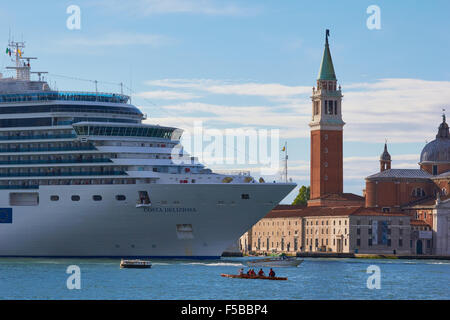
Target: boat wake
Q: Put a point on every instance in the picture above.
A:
(217, 264)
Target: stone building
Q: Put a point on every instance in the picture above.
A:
(402, 211)
(331, 229)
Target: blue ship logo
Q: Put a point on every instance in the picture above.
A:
(5, 215)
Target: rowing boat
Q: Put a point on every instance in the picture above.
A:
(245, 276)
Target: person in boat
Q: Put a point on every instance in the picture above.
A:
(241, 271)
(261, 273)
(271, 273)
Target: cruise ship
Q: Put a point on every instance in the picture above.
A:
(81, 175)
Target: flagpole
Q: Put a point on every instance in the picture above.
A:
(286, 160)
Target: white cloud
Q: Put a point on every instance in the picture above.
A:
(401, 110)
(167, 95)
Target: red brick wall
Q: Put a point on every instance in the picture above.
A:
(391, 194)
(441, 168)
(320, 141)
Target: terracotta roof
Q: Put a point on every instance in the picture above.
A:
(427, 203)
(289, 206)
(401, 173)
(341, 197)
(378, 212)
(444, 175)
(415, 222)
(329, 211)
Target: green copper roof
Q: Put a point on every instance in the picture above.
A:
(326, 71)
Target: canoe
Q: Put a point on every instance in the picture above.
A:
(244, 276)
(275, 262)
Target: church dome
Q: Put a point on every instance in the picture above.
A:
(438, 150)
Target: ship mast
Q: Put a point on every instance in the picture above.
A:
(22, 67)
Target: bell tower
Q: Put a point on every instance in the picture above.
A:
(326, 131)
(385, 159)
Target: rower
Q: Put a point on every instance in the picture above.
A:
(271, 273)
(261, 273)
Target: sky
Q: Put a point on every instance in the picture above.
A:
(251, 65)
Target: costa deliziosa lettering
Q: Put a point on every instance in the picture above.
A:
(170, 210)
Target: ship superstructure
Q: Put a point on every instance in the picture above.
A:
(82, 175)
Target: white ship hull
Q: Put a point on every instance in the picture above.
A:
(110, 228)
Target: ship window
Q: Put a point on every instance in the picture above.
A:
(97, 198)
(54, 198)
(75, 198)
(120, 197)
(245, 196)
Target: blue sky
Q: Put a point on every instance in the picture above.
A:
(252, 64)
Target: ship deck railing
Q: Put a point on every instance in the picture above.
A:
(47, 149)
(64, 95)
(19, 187)
(63, 174)
(49, 136)
(74, 161)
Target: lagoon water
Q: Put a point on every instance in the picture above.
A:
(34, 278)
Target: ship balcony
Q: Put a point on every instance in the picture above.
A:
(33, 137)
(55, 161)
(23, 149)
(2, 187)
(62, 174)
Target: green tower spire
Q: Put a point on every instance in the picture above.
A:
(326, 71)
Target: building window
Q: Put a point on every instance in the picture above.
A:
(419, 192)
(358, 242)
(400, 242)
(370, 242)
(97, 198)
(245, 196)
(54, 198)
(358, 231)
(75, 198)
(120, 197)
(435, 170)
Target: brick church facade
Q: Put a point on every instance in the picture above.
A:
(402, 211)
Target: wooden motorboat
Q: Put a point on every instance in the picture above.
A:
(245, 276)
(137, 264)
(280, 261)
